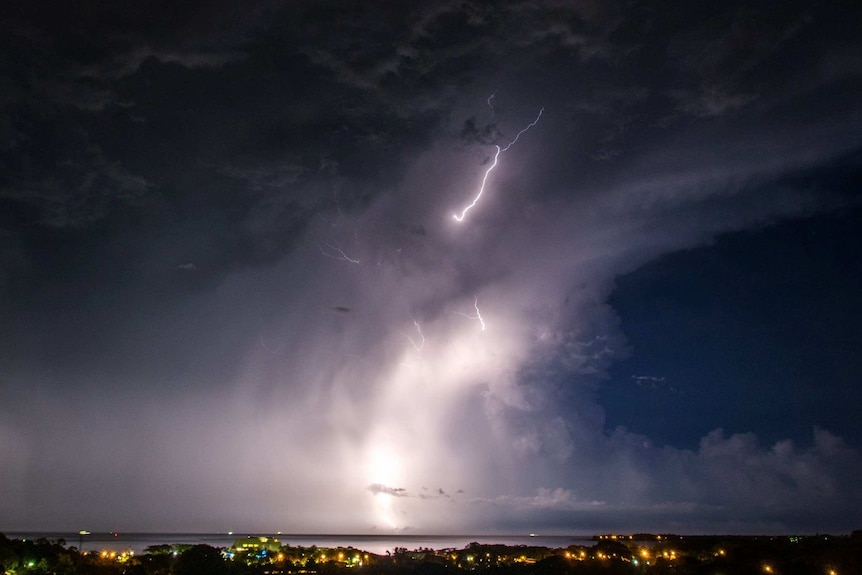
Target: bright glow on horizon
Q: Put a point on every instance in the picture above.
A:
(385, 473)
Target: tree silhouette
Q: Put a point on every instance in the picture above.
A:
(200, 560)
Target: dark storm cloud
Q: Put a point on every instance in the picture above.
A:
(76, 190)
(472, 134)
(227, 231)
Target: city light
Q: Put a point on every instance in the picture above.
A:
(476, 556)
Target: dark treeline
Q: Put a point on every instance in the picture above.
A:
(677, 555)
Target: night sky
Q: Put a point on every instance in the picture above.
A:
(234, 294)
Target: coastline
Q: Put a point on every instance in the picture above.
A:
(378, 544)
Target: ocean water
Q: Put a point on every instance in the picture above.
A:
(378, 544)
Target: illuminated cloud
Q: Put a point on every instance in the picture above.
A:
(377, 489)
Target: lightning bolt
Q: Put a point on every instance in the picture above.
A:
(478, 315)
(421, 344)
(493, 165)
(335, 252)
(267, 348)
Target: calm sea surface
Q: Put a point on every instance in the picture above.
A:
(379, 544)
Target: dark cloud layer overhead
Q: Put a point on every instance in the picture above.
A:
(234, 295)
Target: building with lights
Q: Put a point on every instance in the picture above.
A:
(256, 545)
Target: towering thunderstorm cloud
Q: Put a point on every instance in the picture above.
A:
(233, 297)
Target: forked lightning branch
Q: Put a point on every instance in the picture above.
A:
(460, 217)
